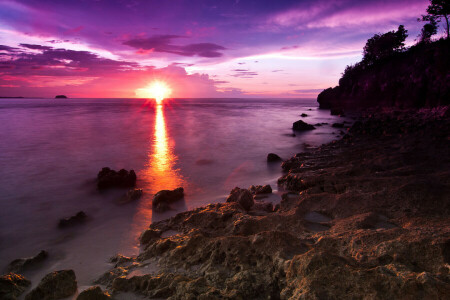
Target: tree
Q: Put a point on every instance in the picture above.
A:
(383, 45)
(428, 30)
(438, 10)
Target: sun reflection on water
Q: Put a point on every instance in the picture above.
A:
(160, 172)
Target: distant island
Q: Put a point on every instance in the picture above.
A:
(60, 97)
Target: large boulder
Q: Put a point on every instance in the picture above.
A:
(131, 195)
(94, 293)
(12, 286)
(79, 218)
(241, 196)
(272, 157)
(108, 178)
(55, 285)
(162, 199)
(21, 264)
(260, 189)
(302, 126)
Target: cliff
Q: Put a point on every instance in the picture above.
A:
(417, 77)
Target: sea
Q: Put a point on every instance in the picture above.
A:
(52, 149)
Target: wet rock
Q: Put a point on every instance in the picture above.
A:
(119, 259)
(131, 195)
(260, 189)
(149, 235)
(94, 293)
(262, 206)
(108, 178)
(241, 196)
(302, 126)
(162, 199)
(55, 285)
(337, 112)
(272, 157)
(21, 264)
(303, 115)
(79, 218)
(338, 125)
(12, 286)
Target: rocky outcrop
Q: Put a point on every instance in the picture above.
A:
(108, 178)
(366, 217)
(131, 195)
(12, 286)
(260, 189)
(94, 293)
(77, 219)
(162, 199)
(55, 285)
(416, 78)
(60, 97)
(241, 196)
(302, 126)
(272, 157)
(22, 264)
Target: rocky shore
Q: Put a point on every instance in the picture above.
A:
(363, 217)
(366, 217)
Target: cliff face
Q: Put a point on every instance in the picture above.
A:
(419, 77)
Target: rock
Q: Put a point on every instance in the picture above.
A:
(79, 218)
(149, 235)
(260, 189)
(131, 195)
(303, 115)
(60, 97)
(55, 285)
(163, 198)
(93, 293)
(337, 112)
(272, 157)
(108, 178)
(338, 125)
(262, 206)
(302, 126)
(21, 264)
(12, 286)
(241, 196)
(119, 259)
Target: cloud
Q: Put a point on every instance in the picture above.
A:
(163, 43)
(50, 71)
(241, 73)
(35, 47)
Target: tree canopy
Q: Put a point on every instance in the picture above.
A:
(438, 10)
(383, 45)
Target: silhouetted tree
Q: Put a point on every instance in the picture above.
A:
(438, 10)
(383, 45)
(428, 31)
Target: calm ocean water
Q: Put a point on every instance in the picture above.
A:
(52, 149)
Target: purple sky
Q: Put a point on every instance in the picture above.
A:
(209, 48)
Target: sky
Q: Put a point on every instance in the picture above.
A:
(200, 48)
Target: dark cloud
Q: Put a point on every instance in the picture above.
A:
(275, 71)
(242, 73)
(53, 61)
(7, 48)
(35, 47)
(163, 43)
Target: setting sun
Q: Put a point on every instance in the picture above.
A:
(158, 90)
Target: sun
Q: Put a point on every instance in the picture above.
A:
(158, 90)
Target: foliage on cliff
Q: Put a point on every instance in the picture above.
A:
(416, 77)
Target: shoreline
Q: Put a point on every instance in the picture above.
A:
(364, 222)
(366, 217)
